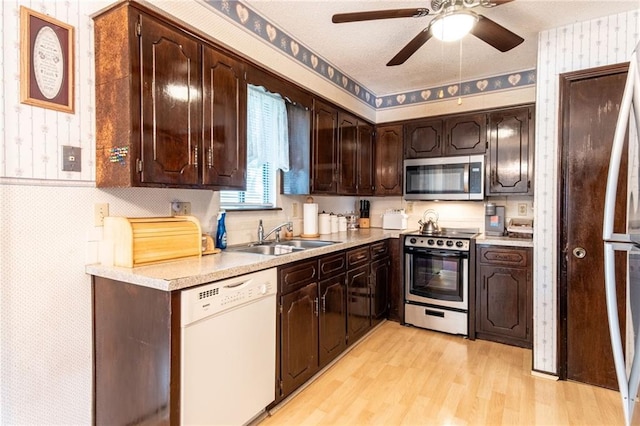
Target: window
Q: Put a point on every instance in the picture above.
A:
(267, 151)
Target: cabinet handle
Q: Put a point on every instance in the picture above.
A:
(315, 303)
(324, 304)
(195, 156)
(210, 157)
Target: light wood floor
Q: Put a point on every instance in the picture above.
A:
(408, 376)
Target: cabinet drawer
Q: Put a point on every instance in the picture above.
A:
(297, 275)
(511, 256)
(358, 257)
(332, 265)
(379, 250)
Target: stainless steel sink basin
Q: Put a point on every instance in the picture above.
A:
(307, 243)
(271, 250)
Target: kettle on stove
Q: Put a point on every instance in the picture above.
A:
(429, 223)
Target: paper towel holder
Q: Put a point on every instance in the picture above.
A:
(309, 200)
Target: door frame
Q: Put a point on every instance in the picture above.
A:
(565, 81)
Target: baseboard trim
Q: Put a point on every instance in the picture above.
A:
(543, 375)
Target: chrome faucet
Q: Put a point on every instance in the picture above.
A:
(262, 237)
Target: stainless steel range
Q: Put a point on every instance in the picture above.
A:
(437, 280)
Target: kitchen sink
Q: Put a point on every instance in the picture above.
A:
(273, 248)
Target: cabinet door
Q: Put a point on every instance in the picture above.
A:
(504, 301)
(332, 318)
(224, 159)
(466, 134)
(347, 154)
(423, 139)
(365, 159)
(388, 160)
(324, 154)
(170, 103)
(510, 152)
(299, 337)
(380, 276)
(358, 305)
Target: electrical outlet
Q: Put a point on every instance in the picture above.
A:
(409, 208)
(522, 209)
(100, 211)
(180, 208)
(294, 208)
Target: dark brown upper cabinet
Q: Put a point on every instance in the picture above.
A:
(423, 139)
(151, 96)
(324, 154)
(365, 159)
(388, 160)
(347, 154)
(225, 114)
(453, 135)
(510, 162)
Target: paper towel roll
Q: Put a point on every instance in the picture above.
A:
(310, 219)
(324, 223)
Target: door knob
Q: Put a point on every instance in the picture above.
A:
(579, 252)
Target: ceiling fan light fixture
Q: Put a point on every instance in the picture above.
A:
(454, 26)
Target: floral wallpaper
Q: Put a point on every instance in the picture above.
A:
(604, 41)
(249, 19)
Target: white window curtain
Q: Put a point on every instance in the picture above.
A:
(267, 132)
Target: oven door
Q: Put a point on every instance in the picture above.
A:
(437, 277)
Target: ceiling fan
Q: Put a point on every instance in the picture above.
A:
(453, 19)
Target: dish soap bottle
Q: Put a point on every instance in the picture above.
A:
(221, 233)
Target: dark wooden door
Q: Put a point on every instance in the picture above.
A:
(590, 103)
(224, 159)
(324, 154)
(388, 160)
(358, 306)
(380, 276)
(299, 338)
(347, 154)
(466, 135)
(332, 318)
(170, 101)
(423, 139)
(365, 159)
(510, 151)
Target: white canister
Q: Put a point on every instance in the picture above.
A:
(334, 224)
(324, 223)
(342, 224)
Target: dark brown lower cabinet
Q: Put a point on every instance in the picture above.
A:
(332, 316)
(358, 305)
(299, 338)
(504, 305)
(380, 274)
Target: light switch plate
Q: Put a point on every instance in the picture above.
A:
(71, 158)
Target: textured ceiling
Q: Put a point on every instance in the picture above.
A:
(362, 49)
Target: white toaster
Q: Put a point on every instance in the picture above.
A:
(394, 219)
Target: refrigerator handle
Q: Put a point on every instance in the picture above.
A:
(614, 329)
(617, 147)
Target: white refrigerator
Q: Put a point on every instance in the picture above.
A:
(626, 357)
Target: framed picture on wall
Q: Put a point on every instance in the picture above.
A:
(46, 61)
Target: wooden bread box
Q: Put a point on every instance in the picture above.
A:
(133, 242)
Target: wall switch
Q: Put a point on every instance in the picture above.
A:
(100, 212)
(71, 156)
(294, 209)
(522, 209)
(180, 208)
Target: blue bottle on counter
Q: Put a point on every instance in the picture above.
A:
(221, 232)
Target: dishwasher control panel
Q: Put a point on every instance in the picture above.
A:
(211, 299)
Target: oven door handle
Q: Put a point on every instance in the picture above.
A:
(463, 254)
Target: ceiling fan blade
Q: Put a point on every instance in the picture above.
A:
(411, 47)
(379, 14)
(495, 34)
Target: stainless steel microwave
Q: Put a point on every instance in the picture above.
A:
(444, 178)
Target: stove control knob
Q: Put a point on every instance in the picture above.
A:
(413, 240)
(449, 243)
(459, 243)
(440, 242)
(430, 241)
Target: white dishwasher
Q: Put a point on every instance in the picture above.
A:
(228, 350)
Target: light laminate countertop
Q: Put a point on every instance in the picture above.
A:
(504, 241)
(184, 273)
